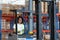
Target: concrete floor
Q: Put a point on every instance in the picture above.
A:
(13, 37)
(21, 37)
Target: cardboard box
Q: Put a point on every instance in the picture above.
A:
(4, 35)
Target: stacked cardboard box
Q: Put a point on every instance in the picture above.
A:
(4, 36)
(5, 27)
(33, 5)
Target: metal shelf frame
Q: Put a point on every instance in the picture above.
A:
(51, 16)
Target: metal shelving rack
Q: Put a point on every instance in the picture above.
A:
(51, 16)
(38, 14)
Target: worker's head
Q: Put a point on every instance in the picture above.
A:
(20, 20)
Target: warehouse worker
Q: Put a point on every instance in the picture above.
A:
(20, 26)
